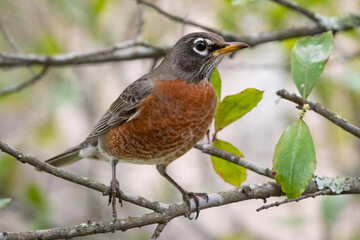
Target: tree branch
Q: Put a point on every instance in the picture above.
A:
(180, 19)
(43, 166)
(163, 212)
(118, 52)
(25, 84)
(241, 161)
(122, 51)
(297, 8)
(257, 191)
(159, 229)
(333, 117)
(308, 195)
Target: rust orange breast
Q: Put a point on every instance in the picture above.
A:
(169, 122)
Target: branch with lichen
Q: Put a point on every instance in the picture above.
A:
(326, 113)
(247, 192)
(163, 213)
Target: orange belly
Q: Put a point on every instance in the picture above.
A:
(169, 122)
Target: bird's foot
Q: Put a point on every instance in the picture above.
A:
(187, 196)
(114, 193)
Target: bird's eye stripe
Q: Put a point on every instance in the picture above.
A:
(198, 39)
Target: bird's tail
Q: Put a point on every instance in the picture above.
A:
(69, 156)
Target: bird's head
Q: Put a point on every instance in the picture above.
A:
(196, 55)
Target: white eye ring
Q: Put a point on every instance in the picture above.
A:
(204, 52)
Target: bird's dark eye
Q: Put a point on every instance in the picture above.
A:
(201, 46)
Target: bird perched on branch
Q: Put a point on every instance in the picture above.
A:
(161, 115)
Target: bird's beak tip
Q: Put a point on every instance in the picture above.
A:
(237, 45)
(231, 47)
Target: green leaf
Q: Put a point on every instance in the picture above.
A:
(235, 106)
(230, 172)
(294, 159)
(4, 202)
(216, 83)
(308, 59)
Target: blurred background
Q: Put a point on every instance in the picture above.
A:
(61, 109)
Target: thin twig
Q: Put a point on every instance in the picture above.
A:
(295, 7)
(8, 38)
(333, 117)
(159, 229)
(25, 84)
(179, 19)
(241, 161)
(12, 43)
(308, 195)
(140, 24)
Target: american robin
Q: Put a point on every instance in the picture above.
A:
(161, 115)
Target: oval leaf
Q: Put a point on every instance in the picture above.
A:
(308, 59)
(216, 83)
(230, 172)
(4, 202)
(294, 159)
(235, 106)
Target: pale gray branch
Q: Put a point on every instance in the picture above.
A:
(241, 161)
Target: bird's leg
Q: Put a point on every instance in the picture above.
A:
(114, 188)
(208, 136)
(186, 195)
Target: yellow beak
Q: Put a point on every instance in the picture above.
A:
(230, 47)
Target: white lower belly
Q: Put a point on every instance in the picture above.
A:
(95, 152)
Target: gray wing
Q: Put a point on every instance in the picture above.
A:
(124, 107)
